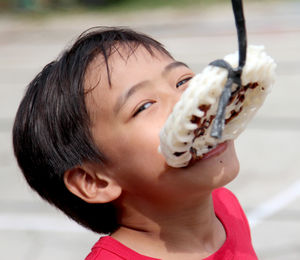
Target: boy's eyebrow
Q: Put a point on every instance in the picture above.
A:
(124, 97)
(173, 65)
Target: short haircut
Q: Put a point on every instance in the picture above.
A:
(51, 132)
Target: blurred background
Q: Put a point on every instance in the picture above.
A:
(34, 32)
(100, 5)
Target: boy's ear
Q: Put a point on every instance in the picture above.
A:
(91, 184)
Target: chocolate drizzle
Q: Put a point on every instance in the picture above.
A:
(203, 123)
(238, 98)
(233, 114)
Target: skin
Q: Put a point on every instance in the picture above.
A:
(164, 212)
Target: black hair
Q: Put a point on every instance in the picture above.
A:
(51, 132)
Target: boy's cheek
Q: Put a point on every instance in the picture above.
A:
(143, 134)
(133, 147)
(138, 152)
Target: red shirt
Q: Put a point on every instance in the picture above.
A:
(236, 247)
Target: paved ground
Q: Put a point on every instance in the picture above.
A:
(269, 183)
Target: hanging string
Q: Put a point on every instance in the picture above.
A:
(234, 74)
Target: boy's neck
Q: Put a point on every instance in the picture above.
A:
(189, 230)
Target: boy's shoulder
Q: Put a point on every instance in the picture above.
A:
(227, 204)
(223, 194)
(110, 249)
(229, 210)
(225, 197)
(238, 243)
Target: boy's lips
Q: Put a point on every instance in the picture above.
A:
(216, 151)
(219, 149)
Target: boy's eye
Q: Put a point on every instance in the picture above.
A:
(182, 82)
(143, 107)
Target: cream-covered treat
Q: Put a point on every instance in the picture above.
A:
(186, 137)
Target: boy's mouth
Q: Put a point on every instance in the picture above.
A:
(216, 151)
(219, 149)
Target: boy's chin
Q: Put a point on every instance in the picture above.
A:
(219, 168)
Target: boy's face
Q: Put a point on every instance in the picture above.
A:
(127, 118)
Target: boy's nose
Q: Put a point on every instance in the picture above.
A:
(173, 98)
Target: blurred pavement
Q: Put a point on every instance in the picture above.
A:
(269, 182)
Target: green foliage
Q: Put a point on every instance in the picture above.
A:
(157, 3)
(48, 6)
(42, 5)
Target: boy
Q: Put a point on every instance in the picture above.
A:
(86, 136)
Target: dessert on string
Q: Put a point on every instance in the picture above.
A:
(219, 102)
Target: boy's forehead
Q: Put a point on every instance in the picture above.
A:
(99, 71)
(122, 62)
(94, 68)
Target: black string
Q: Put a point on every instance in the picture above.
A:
(234, 75)
(237, 6)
